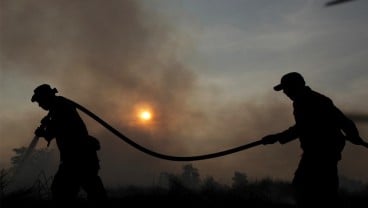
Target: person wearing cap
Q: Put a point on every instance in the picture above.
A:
(322, 130)
(79, 163)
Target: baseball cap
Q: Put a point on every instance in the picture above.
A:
(290, 80)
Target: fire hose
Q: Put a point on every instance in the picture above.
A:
(129, 141)
(148, 151)
(159, 155)
(145, 150)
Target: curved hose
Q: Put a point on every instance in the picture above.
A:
(159, 155)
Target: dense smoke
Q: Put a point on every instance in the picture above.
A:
(116, 57)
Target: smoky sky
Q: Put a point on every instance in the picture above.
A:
(115, 57)
(109, 57)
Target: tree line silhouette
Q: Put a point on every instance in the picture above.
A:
(184, 189)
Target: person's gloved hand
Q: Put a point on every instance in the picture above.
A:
(269, 139)
(358, 141)
(40, 132)
(365, 144)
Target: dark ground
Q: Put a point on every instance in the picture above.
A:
(180, 197)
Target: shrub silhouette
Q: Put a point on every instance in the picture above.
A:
(265, 192)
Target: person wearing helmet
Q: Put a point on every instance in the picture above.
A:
(322, 130)
(79, 163)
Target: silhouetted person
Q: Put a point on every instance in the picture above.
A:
(79, 164)
(322, 130)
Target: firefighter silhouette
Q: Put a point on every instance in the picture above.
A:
(322, 130)
(79, 163)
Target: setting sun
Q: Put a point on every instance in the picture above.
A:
(145, 115)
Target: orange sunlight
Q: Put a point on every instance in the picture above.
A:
(145, 115)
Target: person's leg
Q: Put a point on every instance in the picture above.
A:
(302, 194)
(95, 190)
(316, 183)
(306, 184)
(328, 185)
(299, 184)
(64, 188)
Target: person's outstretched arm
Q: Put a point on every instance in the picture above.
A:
(282, 137)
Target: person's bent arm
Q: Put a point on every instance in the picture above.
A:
(349, 128)
(45, 130)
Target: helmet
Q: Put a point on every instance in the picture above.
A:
(43, 91)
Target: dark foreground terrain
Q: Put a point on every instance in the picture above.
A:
(183, 190)
(260, 195)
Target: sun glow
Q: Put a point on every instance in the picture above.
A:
(145, 115)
